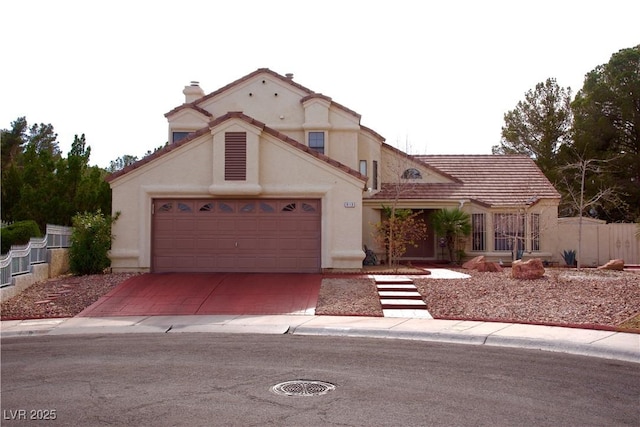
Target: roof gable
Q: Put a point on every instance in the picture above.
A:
(306, 93)
(491, 180)
(241, 116)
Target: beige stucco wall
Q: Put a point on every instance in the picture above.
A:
(276, 169)
(601, 242)
(186, 120)
(58, 262)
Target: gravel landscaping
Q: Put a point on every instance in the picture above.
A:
(586, 298)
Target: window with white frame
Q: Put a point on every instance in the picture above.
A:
(316, 141)
(478, 232)
(508, 229)
(363, 167)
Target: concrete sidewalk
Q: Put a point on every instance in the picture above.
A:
(587, 342)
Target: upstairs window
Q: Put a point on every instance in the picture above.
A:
(316, 141)
(363, 167)
(374, 172)
(177, 136)
(235, 156)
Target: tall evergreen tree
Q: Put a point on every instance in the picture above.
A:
(13, 141)
(39, 184)
(607, 126)
(538, 125)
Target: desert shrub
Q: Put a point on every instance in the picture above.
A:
(569, 257)
(18, 233)
(90, 243)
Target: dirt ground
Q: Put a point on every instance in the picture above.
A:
(586, 298)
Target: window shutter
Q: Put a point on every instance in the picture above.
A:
(235, 156)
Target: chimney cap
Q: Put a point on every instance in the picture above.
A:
(195, 83)
(289, 76)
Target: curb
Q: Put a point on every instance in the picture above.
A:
(584, 342)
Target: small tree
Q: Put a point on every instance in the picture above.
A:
(452, 224)
(90, 243)
(579, 203)
(397, 230)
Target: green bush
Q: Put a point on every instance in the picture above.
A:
(18, 233)
(90, 243)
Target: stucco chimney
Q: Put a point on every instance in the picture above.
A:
(192, 92)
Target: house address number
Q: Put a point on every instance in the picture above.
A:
(349, 204)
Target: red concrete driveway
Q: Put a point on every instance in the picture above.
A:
(214, 293)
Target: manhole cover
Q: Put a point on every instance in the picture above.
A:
(303, 388)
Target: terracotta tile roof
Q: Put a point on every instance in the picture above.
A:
(490, 180)
(311, 94)
(247, 119)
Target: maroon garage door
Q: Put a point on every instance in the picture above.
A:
(211, 235)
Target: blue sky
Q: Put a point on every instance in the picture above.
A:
(431, 77)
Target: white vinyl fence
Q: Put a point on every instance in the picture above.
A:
(20, 259)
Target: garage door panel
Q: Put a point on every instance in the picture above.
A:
(267, 244)
(183, 244)
(207, 225)
(204, 244)
(306, 244)
(246, 224)
(252, 235)
(225, 244)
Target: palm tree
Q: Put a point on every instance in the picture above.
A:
(451, 224)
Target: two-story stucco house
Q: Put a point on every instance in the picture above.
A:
(265, 175)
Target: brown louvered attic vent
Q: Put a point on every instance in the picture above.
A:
(235, 156)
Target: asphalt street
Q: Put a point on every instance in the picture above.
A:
(199, 379)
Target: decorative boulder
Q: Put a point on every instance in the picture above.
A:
(614, 264)
(531, 269)
(487, 266)
(478, 263)
(472, 263)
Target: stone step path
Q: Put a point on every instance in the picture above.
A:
(399, 297)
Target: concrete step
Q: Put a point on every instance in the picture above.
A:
(395, 303)
(391, 279)
(396, 286)
(399, 294)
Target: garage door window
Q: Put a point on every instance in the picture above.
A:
(166, 207)
(225, 208)
(207, 207)
(249, 207)
(184, 208)
(267, 207)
